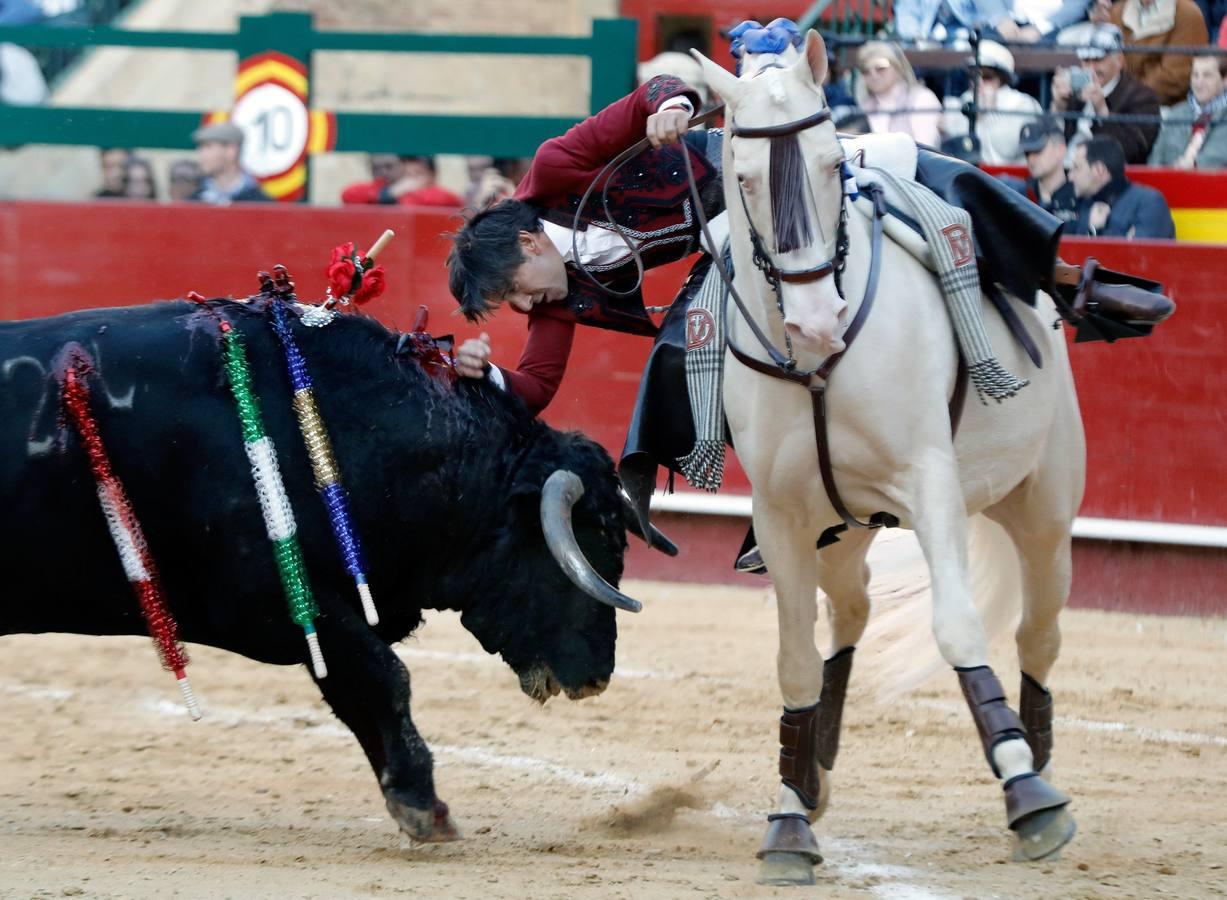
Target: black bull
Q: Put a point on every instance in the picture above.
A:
(445, 485)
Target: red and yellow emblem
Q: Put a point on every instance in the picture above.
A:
(280, 131)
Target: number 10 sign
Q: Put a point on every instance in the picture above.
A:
(279, 131)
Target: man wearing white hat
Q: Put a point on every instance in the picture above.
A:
(1001, 109)
(1101, 87)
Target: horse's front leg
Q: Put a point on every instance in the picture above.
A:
(789, 851)
(1035, 810)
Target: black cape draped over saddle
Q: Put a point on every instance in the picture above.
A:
(1016, 244)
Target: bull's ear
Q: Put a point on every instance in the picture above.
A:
(812, 66)
(721, 80)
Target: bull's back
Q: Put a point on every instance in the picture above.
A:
(168, 427)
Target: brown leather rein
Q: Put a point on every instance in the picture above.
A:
(780, 366)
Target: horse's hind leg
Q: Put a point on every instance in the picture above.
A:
(1034, 809)
(1041, 536)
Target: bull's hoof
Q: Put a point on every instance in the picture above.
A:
(425, 826)
(784, 869)
(1041, 835)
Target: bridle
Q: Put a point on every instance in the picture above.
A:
(775, 276)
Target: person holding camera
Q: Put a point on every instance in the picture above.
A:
(1102, 88)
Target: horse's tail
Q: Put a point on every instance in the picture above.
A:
(901, 653)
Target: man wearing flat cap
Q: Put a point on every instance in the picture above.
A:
(218, 147)
(1103, 87)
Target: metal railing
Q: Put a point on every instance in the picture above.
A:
(610, 48)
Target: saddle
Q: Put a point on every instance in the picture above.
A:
(1015, 244)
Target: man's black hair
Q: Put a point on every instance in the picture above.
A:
(427, 161)
(1107, 150)
(486, 253)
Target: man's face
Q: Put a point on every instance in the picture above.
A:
(1043, 162)
(114, 169)
(1086, 178)
(215, 157)
(418, 171)
(1107, 68)
(1206, 81)
(541, 278)
(386, 167)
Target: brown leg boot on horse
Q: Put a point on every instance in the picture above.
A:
(1035, 810)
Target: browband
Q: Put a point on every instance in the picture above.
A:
(766, 131)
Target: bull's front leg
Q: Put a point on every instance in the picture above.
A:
(368, 689)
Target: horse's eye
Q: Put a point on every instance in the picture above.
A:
(745, 182)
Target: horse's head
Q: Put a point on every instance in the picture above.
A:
(785, 164)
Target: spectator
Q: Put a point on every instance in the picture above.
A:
(1161, 23)
(888, 91)
(491, 180)
(407, 180)
(218, 147)
(114, 163)
(1001, 108)
(1043, 144)
(1043, 20)
(185, 180)
(21, 79)
(140, 184)
(1109, 205)
(951, 21)
(1098, 12)
(1201, 143)
(1104, 88)
(850, 120)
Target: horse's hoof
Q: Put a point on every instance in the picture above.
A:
(1042, 834)
(423, 826)
(779, 868)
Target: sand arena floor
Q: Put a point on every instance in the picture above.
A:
(656, 789)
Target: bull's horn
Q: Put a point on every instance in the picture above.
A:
(561, 492)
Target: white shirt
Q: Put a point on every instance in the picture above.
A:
(598, 247)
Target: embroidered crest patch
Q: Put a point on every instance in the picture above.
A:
(960, 243)
(700, 328)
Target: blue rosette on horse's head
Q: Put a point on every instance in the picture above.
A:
(774, 37)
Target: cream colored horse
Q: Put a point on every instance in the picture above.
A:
(1019, 462)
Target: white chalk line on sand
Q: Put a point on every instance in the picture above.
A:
(894, 884)
(1141, 732)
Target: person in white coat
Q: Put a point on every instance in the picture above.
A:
(1002, 109)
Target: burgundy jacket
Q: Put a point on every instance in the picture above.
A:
(649, 197)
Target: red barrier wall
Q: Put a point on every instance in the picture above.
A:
(1154, 409)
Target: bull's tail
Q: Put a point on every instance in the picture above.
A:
(899, 652)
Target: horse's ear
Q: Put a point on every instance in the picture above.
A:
(720, 80)
(814, 61)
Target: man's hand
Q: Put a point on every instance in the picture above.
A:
(1029, 34)
(1098, 217)
(1093, 94)
(667, 126)
(1007, 28)
(473, 357)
